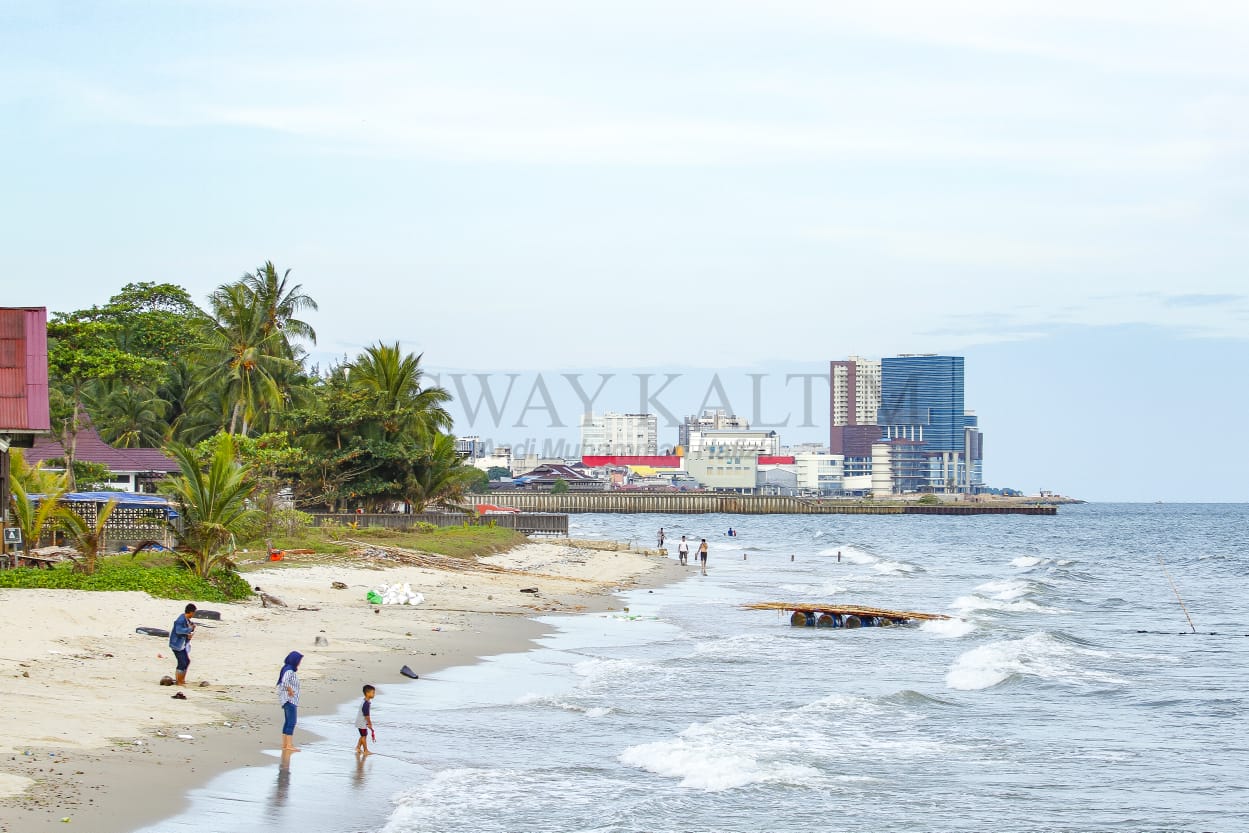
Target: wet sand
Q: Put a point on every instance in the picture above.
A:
(88, 734)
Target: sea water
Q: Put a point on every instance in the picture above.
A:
(1067, 692)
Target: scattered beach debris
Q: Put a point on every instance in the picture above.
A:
(395, 594)
(339, 585)
(204, 684)
(186, 737)
(166, 680)
(179, 696)
(432, 561)
(408, 672)
(529, 590)
(161, 632)
(322, 642)
(307, 607)
(213, 615)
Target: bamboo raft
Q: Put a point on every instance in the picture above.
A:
(844, 616)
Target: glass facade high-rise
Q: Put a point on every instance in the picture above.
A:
(921, 399)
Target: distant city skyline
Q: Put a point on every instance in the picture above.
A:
(1055, 192)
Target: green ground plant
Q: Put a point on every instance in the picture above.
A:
(124, 573)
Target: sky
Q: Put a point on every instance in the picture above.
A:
(1058, 191)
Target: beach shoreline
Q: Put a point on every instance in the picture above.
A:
(94, 738)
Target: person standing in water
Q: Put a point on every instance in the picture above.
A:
(702, 555)
(683, 551)
(288, 696)
(660, 536)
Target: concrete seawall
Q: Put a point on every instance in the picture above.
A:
(692, 503)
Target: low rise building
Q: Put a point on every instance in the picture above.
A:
(724, 470)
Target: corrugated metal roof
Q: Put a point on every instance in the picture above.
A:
(23, 369)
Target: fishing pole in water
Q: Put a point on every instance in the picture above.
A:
(1166, 573)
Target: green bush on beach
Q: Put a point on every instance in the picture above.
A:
(163, 582)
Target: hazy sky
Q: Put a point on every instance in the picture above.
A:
(600, 186)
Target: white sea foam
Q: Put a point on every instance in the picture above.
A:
(1005, 590)
(851, 555)
(1025, 561)
(1037, 655)
(825, 589)
(894, 567)
(974, 602)
(534, 699)
(948, 628)
(690, 758)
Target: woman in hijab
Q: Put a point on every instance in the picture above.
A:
(288, 696)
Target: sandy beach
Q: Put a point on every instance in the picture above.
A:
(89, 735)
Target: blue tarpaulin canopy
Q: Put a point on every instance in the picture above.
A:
(125, 500)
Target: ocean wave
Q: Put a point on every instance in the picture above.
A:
(825, 589)
(687, 758)
(884, 566)
(1043, 655)
(1026, 561)
(1006, 590)
(804, 745)
(473, 798)
(534, 699)
(948, 628)
(974, 602)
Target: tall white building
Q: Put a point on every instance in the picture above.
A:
(619, 434)
(855, 396)
(710, 420)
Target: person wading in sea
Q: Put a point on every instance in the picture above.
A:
(702, 555)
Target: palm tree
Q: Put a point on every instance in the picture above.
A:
(395, 378)
(85, 536)
(440, 476)
(35, 494)
(212, 504)
(244, 355)
(127, 416)
(280, 304)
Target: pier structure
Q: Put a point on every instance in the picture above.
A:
(695, 503)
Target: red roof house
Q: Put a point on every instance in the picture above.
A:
(131, 468)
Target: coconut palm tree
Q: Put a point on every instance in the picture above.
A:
(88, 537)
(127, 416)
(211, 502)
(440, 476)
(395, 378)
(35, 494)
(280, 303)
(244, 355)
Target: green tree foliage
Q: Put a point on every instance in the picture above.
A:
(82, 353)
(34, 497)
(212, 502)
(150, 368)
(478, 482)
(88, 537)
(374, 436)
(243, 357)
(438, 475)
(279, 303)
(559, 487)
(498, 473)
